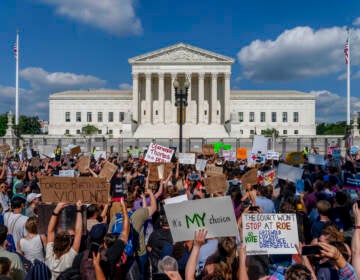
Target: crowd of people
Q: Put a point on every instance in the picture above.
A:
(130, 237)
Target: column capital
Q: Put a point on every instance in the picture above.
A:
(161, 75)
(135, 75)
(214, 75)
(148, 76)
(227, 75)
(201, 75)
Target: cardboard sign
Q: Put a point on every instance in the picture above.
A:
(154, 171)
(87, 189)
(35, 162)
(352, 183)
(250, 177)
(295, 158)
(75, 150)
(316, 159)
(266, 234)
(208, 149)
(67, 173)
(212, 169)
(108, 171)
(200, 164)
(229, 155)
(5, 148)
(242, 153)
(216, 184)
(271, 155)
(187, 158)
(288, 172)
(161, 170)
(158, 153)
(83, 164)
(99, 154)
(176, 199)
(215, 214)
(260, 144)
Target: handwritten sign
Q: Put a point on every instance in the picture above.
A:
(295, 158)
(215, 214)
(108, 171)
(250, 177)
(316, 159)
(99, 154)
(266, 234)
(259, 145)
(87, 189)
(4, 148)
(154, 171)
(267, 178)
(83, 164)
(229, 155)
(271, 155)
(208, 149)
(216, 184)
(352, 183)
(200, 164)
(288, 172)
(66, 173)
(75, 151)
(158, 153)
(187, 158)
(241, 153)
(212, 169)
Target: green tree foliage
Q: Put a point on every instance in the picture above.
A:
(331, 128)
(29, 125)
(3, 124)
(89, 129)
(269, 132)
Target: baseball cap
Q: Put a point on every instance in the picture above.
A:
(32, 196)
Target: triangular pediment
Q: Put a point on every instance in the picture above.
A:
(181, 53)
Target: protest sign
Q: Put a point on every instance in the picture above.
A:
(187, 158)
(212, 169)
(176, 199)
(354, 150)
(217, 147)
(154, 172)
(266, 234)
(46, 150)
(75, 150)
(288, 172)
(158, 153)
(215, 184)
(267, 178)
(135, 154)
(241, 153)
(352, 183)
(295, 158)
(260, 144)
(87, 189)
(250, 177)
(108, 171)
(4, 148)
(67, 173)
(83, 164)
(215, 214)
(271, 155)
(229, 155)
(200, 164)
(331, 149)
(316, 159)
(336, 153)
(227, 147)
(208, 149)
(99, 154)
(35, 162)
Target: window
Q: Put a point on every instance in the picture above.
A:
(110, 131)
(241, 116)
(144, 112)
(217, 112)
(251, 117)
(78, 116)
(273, 116)
(205, 112)
(241, 131)
(296, 132)
(121, 116)
(99, 131)
(121, 131)
(89, 117)
(262, 131)
(284, 132)
(296, 117)
(67, 116)
(284, 116)
(262, 117)
(67, 131)
(100, 116)
(111, 117)
(156, 112)
(252, 132)
(78, 131)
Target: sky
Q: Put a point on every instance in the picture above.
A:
(86, 44)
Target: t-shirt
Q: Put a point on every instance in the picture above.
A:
(16, 225)
(157, 241)
(29, 212)
(17, 268)
(58, 265)
(138, 219)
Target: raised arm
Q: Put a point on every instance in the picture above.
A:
(124, 236)
(199, 240)
(152, 207)
(53, 221)
(78, 227)
(177, 170)
(3, 170)
(355, 242)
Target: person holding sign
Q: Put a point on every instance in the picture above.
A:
(62, 247)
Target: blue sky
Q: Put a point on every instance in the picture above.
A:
(82, 44)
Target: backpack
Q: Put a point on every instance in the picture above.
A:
(39, 270)
(133, 240)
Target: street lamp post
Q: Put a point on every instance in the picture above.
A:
(181, 95)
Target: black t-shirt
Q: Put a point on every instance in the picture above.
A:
(118, 187)
(157, 241)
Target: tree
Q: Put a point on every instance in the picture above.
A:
(29, 125)
(338, 128)
(269, 132)
(3, 124)
(89, 129)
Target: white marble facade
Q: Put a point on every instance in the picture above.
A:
(151, 104)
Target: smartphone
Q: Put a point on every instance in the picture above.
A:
(94, 248)
(254, 208)
(311, 250)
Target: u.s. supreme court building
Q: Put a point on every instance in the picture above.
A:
(214, 110)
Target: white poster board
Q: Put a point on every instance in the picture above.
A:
(158, 153)
(266, 234)
(271, 155)
(67, 173)
(316, 159)
(288, 172)
(99, 154)
(260, 144)
(200, 164)
(187, 158)
(176, 199)
(229, 155)
(215, 214)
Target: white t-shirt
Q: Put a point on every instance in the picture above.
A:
(58, 265)
(32, 248)
(17, 223)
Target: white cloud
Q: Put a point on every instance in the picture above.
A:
(125, 86)
(298, 53)
(330, 107)
(115, 16)
(356, 21)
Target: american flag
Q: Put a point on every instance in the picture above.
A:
(346, 52)
(15, 51)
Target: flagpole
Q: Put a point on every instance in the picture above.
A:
(17, 80)
(348, 80)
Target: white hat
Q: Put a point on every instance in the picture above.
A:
(32, 196)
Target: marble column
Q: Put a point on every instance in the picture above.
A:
(214, 77)
(201, 98)
(188, 108)
(227, 97)
(136, 106)
(148, 100)
(161, 98)
(173, 108)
